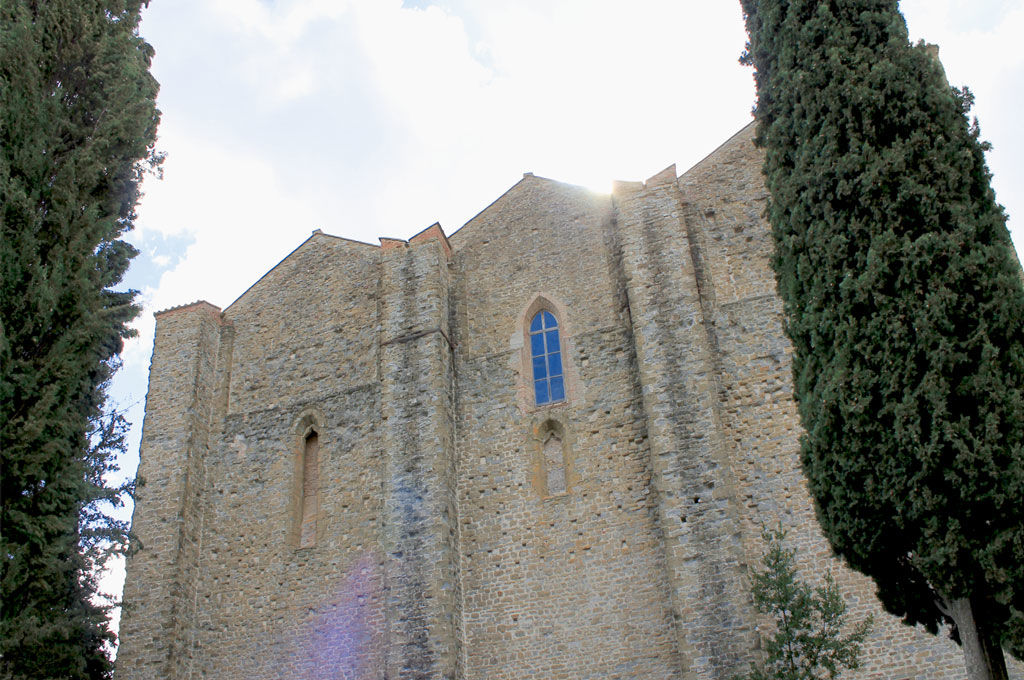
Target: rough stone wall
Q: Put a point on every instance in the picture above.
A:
(417, 449)
(724, 204)
(259, 606)
(306, 330)
(156, 623)
(693, 489)
(569, 585)
(447, 543)
(303, 355)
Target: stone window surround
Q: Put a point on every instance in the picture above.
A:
(310, 421)
(544, 428)
(525, 389)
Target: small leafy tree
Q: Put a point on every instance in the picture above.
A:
(809, 642)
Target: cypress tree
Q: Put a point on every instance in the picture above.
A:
(77, 129)
(904, 302)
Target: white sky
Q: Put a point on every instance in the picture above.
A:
(371, 118)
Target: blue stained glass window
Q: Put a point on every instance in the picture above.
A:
(557, 388)
(541, 391)
(537, 345)
(546, 352)
(554, 364)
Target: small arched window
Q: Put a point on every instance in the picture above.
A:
(546, 352)
(310, 490)
(554, 464)
(553, 469)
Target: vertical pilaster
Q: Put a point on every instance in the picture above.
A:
(419, 538)
(161, 591)
(691, 478)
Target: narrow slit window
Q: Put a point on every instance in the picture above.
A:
(554, 465)
(310, 489)
(546, 352)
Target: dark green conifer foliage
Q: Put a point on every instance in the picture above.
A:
(904, 302)
(77, 128)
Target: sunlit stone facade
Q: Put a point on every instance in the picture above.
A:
(348, 475)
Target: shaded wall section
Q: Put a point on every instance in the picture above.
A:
(570, 583)
(724, 201)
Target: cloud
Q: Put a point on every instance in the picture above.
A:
(278, 23)
(367, 118)
(241, 219)
(370, 118)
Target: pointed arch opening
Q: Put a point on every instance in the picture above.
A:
(305, 504)
(553, 471)
(546, 377)
(546, 359)
(554, 464)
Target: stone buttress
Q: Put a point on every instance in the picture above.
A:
(694, 498)
(161, 596)
(416, 434)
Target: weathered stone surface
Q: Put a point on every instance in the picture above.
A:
(454, 529)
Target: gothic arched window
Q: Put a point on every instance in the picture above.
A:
(546, 352)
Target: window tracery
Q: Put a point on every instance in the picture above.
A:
(546, 356)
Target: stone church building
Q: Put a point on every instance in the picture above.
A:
(540, 448)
